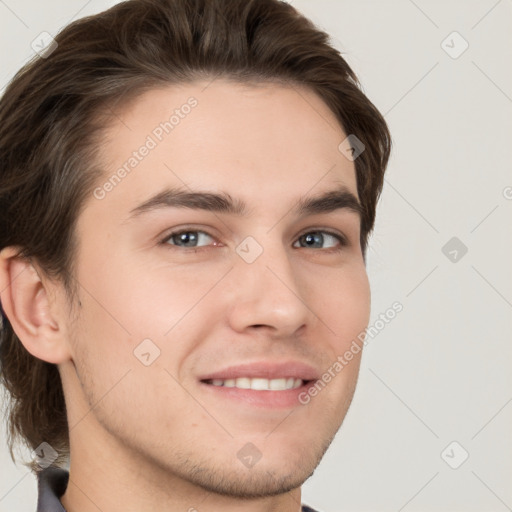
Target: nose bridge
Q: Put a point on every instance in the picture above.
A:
(265, 259)
(269, 292)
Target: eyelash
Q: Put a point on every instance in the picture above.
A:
(343, 243)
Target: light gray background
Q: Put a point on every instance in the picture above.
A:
(440, 371)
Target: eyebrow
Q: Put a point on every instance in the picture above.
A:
(222, 202)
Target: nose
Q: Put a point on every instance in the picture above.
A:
(270, 295)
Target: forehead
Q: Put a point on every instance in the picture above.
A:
(264, 141)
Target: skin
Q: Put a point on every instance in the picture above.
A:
(151, 437)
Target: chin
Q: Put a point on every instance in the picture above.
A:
(269, 476)
(250, 483)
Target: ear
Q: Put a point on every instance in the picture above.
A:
(36, 320)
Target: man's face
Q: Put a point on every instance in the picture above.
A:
(161, 314)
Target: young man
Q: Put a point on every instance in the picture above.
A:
(187, 188)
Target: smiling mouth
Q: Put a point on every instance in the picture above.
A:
(258, 383)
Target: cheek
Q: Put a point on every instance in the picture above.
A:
(132, 316)
(143, 299)
(342, 302)
(356, 304)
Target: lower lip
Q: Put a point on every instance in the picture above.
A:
(264, 398)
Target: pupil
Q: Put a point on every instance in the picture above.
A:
(313, 238)
(188, 237)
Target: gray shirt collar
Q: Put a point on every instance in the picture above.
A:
(51, 485)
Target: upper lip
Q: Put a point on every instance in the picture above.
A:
(266, 370)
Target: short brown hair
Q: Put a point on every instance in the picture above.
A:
(54, 109)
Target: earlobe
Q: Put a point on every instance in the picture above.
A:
(26, 303)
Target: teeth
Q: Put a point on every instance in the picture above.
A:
(259, 384)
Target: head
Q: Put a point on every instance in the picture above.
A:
(121, 290)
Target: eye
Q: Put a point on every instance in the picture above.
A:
(189, 238)
(316, 239)
(311, 240)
